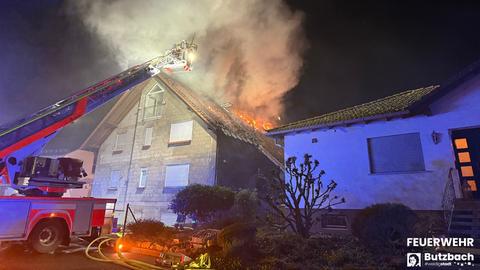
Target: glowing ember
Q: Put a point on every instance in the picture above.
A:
(258, 123)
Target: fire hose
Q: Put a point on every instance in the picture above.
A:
(202, 262)
(121, 260)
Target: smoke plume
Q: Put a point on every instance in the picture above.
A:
(250, 51)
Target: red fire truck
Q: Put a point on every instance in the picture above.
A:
(37, 213)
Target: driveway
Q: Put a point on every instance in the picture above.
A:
(17, 258)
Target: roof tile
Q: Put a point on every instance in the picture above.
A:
(393, 104)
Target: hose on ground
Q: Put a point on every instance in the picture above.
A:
(121, 260)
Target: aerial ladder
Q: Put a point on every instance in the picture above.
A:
(38, 214)
(21, 140)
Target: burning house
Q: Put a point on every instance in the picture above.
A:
(162, 137)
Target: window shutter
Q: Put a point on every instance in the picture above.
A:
(181, 132)
(148, 136)
(177, 175)
(397, 153)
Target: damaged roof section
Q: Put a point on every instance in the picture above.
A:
(214, 115)
(395, 105)
(223, 120)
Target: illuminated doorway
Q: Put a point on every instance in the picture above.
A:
(466, 144)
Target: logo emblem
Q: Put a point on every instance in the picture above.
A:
(414, 259)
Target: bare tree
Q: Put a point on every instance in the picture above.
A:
(296, 200)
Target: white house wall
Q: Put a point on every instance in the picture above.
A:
(343, 153)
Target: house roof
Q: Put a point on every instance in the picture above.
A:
(391, 106)
(113, 117)
(407, 103)
(214, 115)
(71, 137)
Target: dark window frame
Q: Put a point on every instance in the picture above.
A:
(325, 225)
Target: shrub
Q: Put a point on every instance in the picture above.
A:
(222, 221)
(430, 224)
(226, 263)
(148, 228)
(245, 209)
(202, 202)
(238, 233)
(246, 204)
(291, 251)
(384, 226)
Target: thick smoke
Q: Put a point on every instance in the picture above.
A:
(250, 51)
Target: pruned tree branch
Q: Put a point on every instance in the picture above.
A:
(296, 199)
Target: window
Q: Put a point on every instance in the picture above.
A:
(472, 185)
(461, 143)
(181, 132)
(153, 102)
(334, 221)
(177, 175)
(467, 171)
(120, 142)
(464, 157)
(280, 141)
(115, 176)
(398, 153)
(143, 177)
(147, 140)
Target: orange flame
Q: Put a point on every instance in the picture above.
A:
(258, 123)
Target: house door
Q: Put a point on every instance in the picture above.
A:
(466, 144)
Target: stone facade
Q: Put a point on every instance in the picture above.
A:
(152, 200)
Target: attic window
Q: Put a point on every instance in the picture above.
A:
(153, 103)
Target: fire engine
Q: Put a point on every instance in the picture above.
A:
(37, 213)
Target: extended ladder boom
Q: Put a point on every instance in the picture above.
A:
(26, 131)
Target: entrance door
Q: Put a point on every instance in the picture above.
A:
(466, 144)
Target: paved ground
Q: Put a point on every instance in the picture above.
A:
(17, 258)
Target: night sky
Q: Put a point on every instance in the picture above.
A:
(359, 51)
(363, 50)
(46, 55)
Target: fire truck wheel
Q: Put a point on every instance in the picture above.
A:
(46, 236)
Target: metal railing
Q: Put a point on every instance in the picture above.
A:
(448, 200)
(128, 209)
